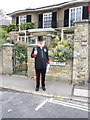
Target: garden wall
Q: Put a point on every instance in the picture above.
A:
(56, 72)
(60, 72)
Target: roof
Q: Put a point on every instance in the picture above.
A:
(48, 7)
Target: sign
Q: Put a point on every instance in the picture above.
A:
(58, 63)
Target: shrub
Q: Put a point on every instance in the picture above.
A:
(2, 37)
(21, 54)
(11, 27)
(26, 26)
(61, 50)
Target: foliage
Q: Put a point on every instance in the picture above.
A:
(2, 33)
(61, 50)
(21, 53)
(2, 37)
(11, 27)
(26, 26)
(11, 37)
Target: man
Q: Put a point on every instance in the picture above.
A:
(40, 53)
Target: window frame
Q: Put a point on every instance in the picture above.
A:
(75, 14)
(45, 19)
(24, 18)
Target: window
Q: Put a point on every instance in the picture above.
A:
(22, 19)
(75, 15)
(47, 20)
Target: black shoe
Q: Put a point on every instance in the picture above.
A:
(44, 89)
(37, 89)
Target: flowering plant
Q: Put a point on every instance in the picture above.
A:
(61, 50)
(12, 37)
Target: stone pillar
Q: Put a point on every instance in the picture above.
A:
(81, 62)
(89, 52)
(7, 67)
(30, 63)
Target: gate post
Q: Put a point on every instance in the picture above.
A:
(81, 62)
(30, 63)
(7, 67)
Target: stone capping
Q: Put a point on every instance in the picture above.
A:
(82, 21)
(8, 45)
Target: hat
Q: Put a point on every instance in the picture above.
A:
(40, 38)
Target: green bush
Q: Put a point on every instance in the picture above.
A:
(2, 37)
(26, 26)
(11, 27)
(61, 50)
(21, 54)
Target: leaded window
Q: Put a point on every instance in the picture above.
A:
(47, 20)
(75, 15)
(22, 19)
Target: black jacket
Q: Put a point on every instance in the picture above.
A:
(41, 58)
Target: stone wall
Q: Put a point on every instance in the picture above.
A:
(62, 73)
(0, 62)
(30, 63)
(81, 51)
(89, 51)
(55, 72)
(7, 67)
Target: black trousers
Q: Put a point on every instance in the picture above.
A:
(40, 73)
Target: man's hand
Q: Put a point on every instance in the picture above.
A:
(33, 55)
(48, 61)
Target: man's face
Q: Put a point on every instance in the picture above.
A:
(40, 42)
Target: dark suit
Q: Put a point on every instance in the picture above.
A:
(41, 60)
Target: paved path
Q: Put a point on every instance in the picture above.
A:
(60, 89)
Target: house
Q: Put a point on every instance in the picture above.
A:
(54, 19)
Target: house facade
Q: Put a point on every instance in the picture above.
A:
(50, 20)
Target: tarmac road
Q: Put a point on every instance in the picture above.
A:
(24, 105)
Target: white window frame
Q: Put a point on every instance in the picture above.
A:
(24, 17)
(44, 19)
(75, 14)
